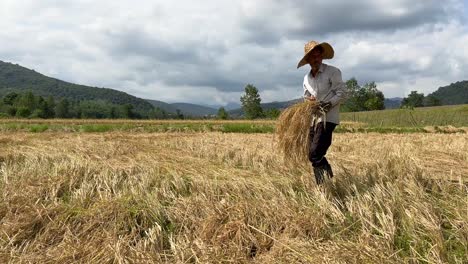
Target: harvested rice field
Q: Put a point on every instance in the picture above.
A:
(212, 197)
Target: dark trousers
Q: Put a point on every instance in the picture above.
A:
(320, 141)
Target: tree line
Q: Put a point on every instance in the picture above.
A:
(415, 99)
(360, 98)
(28, 105)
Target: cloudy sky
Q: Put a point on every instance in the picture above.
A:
(207, 51)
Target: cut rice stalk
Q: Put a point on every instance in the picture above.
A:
(293, 130)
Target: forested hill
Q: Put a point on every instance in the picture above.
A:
(194, 109)
(455, 93)
(14, 77)
(162, 105)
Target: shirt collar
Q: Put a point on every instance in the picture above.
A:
(321, 69)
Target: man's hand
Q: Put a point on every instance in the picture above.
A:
(325, 105)
(310, 98)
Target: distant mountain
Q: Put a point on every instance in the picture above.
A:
(455, 93)
(231, 106)
(194, 109)
(392, 103)
(14, 77)
(186, 108)
(163, 106)
(278, 105)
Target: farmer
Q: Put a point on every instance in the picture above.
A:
(322, 84)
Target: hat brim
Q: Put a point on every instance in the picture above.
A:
(328, 53)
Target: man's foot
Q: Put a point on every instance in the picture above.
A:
(319, 174)
(322, 171)
(329, 171)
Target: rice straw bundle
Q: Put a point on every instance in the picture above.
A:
(293, 129)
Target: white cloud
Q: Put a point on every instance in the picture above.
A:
(421, 59)
(206, 52)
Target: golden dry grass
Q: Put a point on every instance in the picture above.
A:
(228, 198)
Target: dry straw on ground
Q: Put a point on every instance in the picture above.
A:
(293, 128)
(228, 198)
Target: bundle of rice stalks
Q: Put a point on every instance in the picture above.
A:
(293, 129)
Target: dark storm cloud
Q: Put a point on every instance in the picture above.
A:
(135, 42)
(301, 19)
(367, 16)
(175, 63)
(219, 82)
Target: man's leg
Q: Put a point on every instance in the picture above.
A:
(320, 141)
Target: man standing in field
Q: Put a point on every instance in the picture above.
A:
(323, 84)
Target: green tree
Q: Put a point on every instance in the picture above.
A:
(98, 109)
(62, 109)
(414, 99)
(158, 113)
(50, 107)
(10, 110)
(222, 113)
(374, 99)
(127, 110)
(365, 98)
(431, 100)
(41, 110)
(352, 104)
(251, 102)
(23, 112)
(27, 100)
(37, 113)
(179, 114)
(10, 98)
(114, 113)
(272, 113)
(74, 110)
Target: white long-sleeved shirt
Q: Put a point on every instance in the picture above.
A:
(327, 86)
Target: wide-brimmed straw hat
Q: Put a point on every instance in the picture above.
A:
(328, 51)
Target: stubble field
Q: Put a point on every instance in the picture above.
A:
(212, 197)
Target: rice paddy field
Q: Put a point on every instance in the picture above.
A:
(94, 191)
(453, 115)
(441, 119)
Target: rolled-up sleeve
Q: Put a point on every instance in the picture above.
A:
(339, 88)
